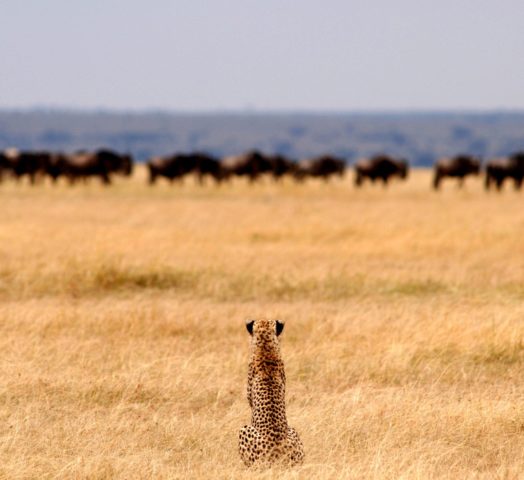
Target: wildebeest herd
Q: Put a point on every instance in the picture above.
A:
(80, 165)
(105, 163)
(252, 165)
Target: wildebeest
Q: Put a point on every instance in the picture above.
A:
(205, 164)
(251, 164)
(280, 166)
(116, 162)
(56, 166)
(381, 167)
(320, 167)
(102, 163)
(458, 167)
(22, 163)
(167, 167)
(178, 165)
(6, 164)
(498, 169)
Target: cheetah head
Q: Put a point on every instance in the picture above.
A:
(257, 327)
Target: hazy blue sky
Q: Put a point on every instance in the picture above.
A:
(262, 54)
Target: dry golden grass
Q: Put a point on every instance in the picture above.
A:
(124, 352)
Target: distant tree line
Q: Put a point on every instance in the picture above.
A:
(421, 138)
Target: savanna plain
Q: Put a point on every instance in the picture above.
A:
(123, 350)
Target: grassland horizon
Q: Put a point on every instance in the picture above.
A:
(124, 352)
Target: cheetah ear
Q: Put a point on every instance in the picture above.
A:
(280, 327)
(249, 326)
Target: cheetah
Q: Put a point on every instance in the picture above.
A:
(269, 439)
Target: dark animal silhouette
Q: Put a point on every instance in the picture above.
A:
(280, 166)
(499, 169)
(207, 165)
(320, 167)
(6, 165)
(167, 167)
(178, 165)
(20, 164)
(457, 167)
(83, 165)
(56, 166)
(115, 162)
(251, 164)
(380, 167)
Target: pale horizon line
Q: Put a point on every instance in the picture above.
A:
(255, 111)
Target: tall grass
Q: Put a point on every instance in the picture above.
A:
(124, 355)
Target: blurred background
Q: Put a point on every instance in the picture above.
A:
(414, 79)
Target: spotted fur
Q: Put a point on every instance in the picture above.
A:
(269, 439)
